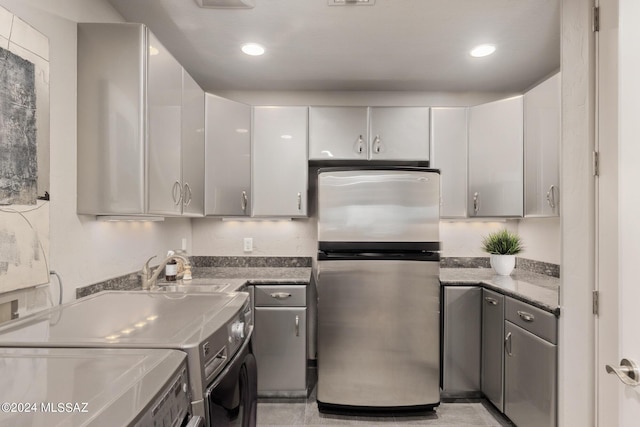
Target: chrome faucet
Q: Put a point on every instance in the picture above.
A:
(149, 280)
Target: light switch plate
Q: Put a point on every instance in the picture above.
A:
(248, 244)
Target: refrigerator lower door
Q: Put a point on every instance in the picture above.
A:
(378, 333)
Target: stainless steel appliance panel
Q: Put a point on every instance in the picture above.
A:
(462, 329)
(280, 347)
(493, 347)
(378, 333)
(530, 398)
(378, 205)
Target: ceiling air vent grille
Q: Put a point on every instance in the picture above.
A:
(226, 4)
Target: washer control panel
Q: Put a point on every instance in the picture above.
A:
(172, 406)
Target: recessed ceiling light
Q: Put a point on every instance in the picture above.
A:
(253, 49)
(483, 50)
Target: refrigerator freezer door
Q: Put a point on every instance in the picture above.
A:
(378, 205)
(378, 333)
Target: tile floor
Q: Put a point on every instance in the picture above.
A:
(300, 412)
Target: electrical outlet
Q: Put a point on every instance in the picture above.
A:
(248, 244)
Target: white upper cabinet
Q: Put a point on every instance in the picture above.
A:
(399, 133)
(542, 145)
(164, 103)
(369, 133)
(496, 159)
(193, 147)
(338, 133)
(228, 157)
(449, 154)
(279, 158)
(140, 120)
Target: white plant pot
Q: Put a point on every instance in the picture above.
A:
(503, 264)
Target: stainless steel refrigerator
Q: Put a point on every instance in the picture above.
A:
(378, 288)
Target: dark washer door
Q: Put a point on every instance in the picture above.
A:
(232, 399)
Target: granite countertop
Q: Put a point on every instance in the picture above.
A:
(539, 290)
(236, 277)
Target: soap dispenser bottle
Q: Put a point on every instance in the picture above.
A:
(171, 269)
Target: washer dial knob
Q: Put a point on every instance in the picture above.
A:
(237, 330)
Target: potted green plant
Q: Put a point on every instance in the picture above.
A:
(503, 246)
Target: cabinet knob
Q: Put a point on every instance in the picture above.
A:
(280, 295)
(297, 326)
(299, 201)
(627, 372)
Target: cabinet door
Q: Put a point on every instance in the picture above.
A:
(493, 347)
(228, 157)
(496, 159)
(164, 103)
(461, 345)
(449, 154)
(337, 133)
(280, 347)
(399, 133)
(530, 378)
(279, 161)
(542, 145)
(192, 147)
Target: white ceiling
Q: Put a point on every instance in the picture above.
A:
(420, 45)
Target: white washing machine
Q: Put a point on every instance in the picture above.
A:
(51, 387)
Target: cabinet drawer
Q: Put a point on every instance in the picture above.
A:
(280, 296)
(533, 319)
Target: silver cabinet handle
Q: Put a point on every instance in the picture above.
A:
(527, 317)
(627, 372)
(491, 301)
(476, 202)
(359, 144)
(299, 201)
(187, 194)
(176, 192)
(280, 295)
(551, 197)
(297, 326)
(507, 344)
(376, 144)
(243, 202)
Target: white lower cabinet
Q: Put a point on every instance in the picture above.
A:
(279, 162)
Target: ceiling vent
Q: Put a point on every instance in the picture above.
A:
(351, 2)
(226, 4)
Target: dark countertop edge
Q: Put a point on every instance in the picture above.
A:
(553, 310)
